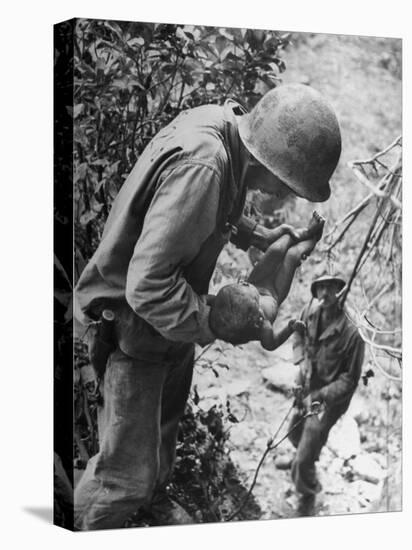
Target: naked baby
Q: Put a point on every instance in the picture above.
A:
(246, 311)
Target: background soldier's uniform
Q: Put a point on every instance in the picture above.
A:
(159, 248)
(331, 363)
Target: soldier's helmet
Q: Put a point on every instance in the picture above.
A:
(327, 279)
(294, 133)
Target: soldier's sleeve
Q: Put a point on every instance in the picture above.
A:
(181, 216)
(344, 386)
(242, 234)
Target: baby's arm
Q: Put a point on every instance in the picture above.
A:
(271, 339)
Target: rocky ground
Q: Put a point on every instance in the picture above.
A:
(359, 468)
(351, 470)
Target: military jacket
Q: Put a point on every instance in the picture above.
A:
(165, 231)
(330, 360)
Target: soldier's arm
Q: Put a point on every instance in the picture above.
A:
(181, 216)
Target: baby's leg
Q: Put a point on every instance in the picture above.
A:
(292, 261)
(265, 272)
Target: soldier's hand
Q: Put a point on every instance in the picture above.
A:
(273, 235)
(262, 237)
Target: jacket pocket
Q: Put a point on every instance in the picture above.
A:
(138, 339)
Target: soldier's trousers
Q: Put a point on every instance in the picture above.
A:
(143, 402)
(308, 438)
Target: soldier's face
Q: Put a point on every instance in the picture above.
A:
(258, 177)
(326, 293)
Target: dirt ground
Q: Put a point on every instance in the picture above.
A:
(260, 409)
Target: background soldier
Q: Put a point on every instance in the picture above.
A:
(330, 353)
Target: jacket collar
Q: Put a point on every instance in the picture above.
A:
(335, 327)
(236, 192)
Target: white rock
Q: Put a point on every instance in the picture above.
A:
(210, 397)
(336, 465)
(344, 438)
(242, 435)
(366, 468)
(359, 409)
(214, 392)
(283, 353)
(281, 377)
(380, 459)
(365, 491)
(237, 388)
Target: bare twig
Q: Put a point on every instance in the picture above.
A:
(270, 446)
(381, 190)
(382, 347)
(397, 141)
(382, 370)
(354, 212)
(359, 258)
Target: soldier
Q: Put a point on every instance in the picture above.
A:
(179, 206)
(330, 354)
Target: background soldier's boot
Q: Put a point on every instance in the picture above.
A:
(306, 505)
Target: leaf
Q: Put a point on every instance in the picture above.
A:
(113, 168)
(168, 68)
(114, 27)
(120, 83)
(87, 217)
(153, 54)
(100, 64)
(100, 162)
(99, 185)
(221, 43)
(180, 33)
(226, 34)
(139, 41)
(133, 82)
(78, 109)
(80, 172)
(226, 51)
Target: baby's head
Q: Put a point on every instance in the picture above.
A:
(235, 314)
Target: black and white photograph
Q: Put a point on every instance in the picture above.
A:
(227, 274)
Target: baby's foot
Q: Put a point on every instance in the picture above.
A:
(314, 230)
(313, 233)
(316, 225)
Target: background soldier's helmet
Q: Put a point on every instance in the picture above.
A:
(295, 134)
(326, 279)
